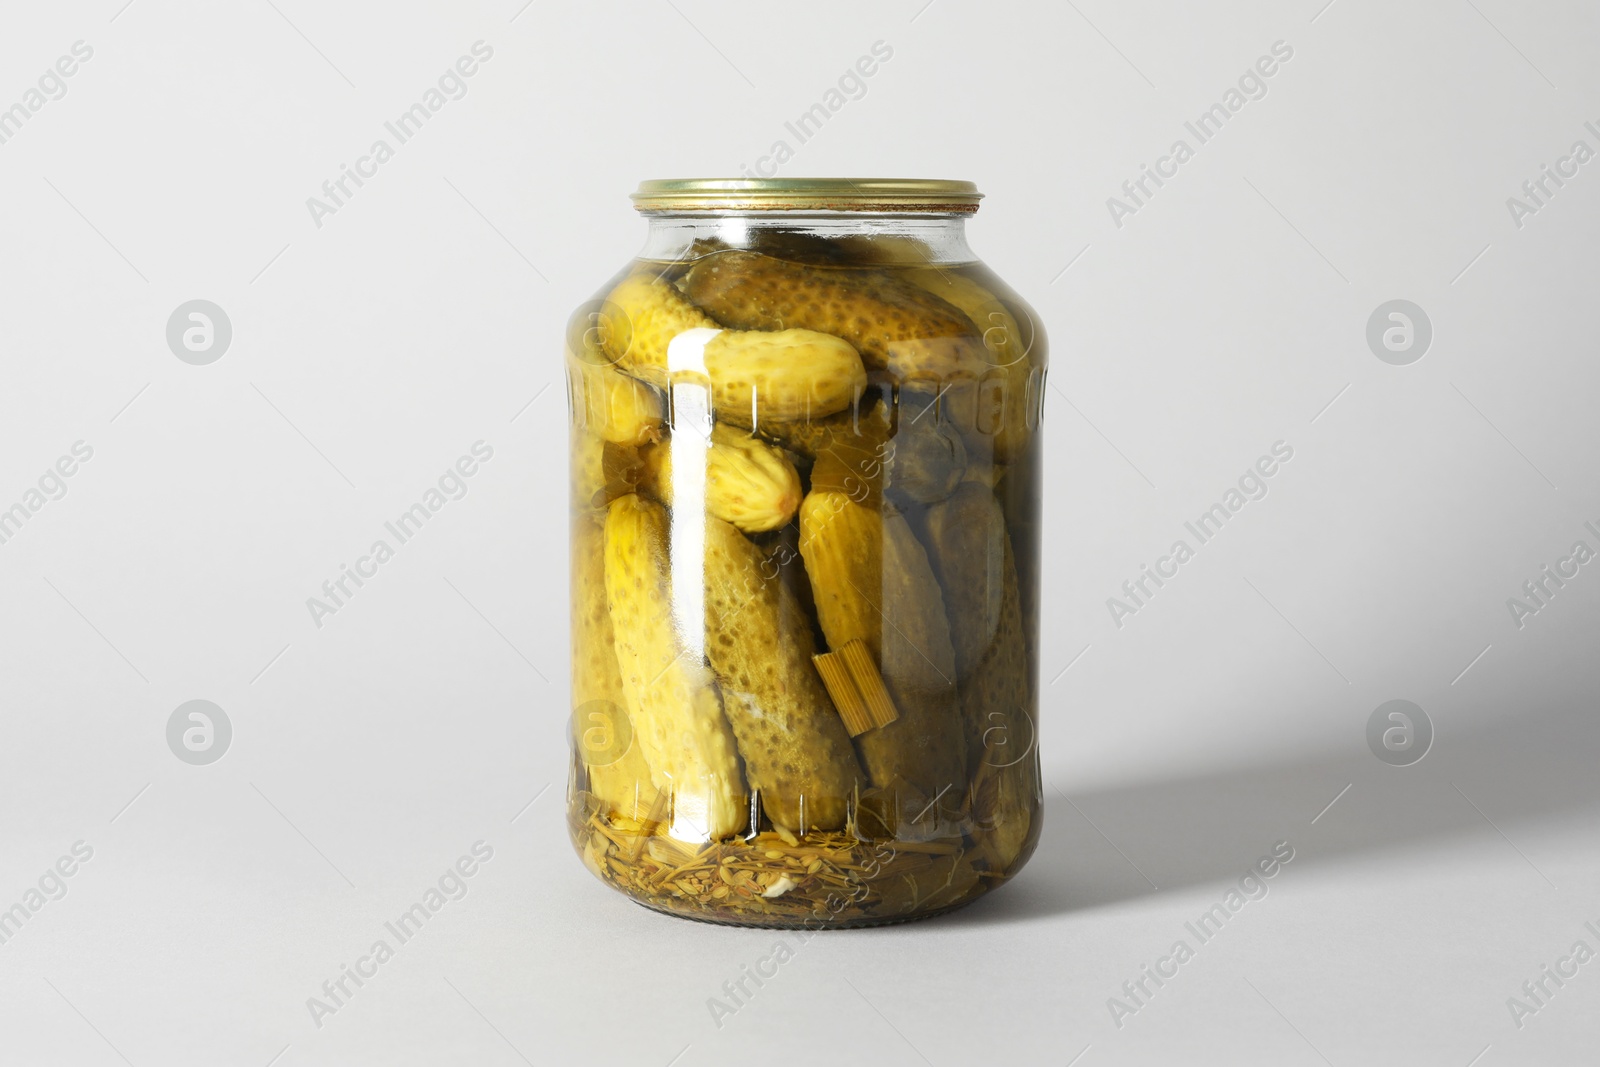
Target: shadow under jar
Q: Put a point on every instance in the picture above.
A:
(805, 457)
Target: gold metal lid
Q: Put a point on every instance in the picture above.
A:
(919, 195)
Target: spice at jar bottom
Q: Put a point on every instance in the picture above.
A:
(805, 470)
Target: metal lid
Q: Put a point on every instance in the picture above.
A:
(920, 195)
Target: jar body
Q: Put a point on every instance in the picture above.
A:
(805, 468)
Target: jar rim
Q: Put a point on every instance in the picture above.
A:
(918, 195)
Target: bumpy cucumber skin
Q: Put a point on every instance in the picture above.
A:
(586, 453)
(672, 699)
(759, 376)
(640, 318)
(796, 751)
(748, 482)
(623, 783)
(754, 376)
(894, 325)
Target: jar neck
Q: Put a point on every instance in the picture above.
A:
(899, 239)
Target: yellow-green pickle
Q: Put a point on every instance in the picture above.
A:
(805, 470)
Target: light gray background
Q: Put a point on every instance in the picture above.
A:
(367, 355)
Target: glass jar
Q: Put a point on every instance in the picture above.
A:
(805, 557)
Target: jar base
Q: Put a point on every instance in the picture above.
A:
(713, 918)
(819, 880)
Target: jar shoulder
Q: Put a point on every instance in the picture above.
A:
(999, 311)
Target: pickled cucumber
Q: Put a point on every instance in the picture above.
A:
(971, 553)
(754, 376)
(612, 405)
(672, 699)
(927, 458)
(783, 244)
(618, 775)
(1000, 405)
(862, 430)
(796, 752)
(872, 583)
(966, 541)
(894, 325)
(747, 482)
